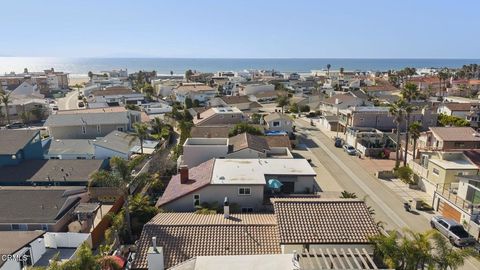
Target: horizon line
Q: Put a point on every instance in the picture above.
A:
(241, 58)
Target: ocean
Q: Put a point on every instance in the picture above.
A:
(81, 66)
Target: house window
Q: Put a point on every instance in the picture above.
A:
(19, 227)
(247, 209)
(244, 191)
(44, 227)
(81, 158)
(120, 129)
(459, 144)
(84, 129)
(54, 158)
(276, 123)
(436, 171)
(196, 200)
(98, 129)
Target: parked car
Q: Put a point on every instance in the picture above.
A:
(338, 142)
(350, 149)
(15, 125)
(455, 232)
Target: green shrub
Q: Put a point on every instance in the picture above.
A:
(405, 174)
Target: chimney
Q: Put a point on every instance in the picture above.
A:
(155, 256)
(226, 208)
(183, 174)
(198, 115)
(337, 101)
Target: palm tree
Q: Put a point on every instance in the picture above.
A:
(397, 110)
(414, 130)
(121, 178)
(282, 101)
(78, 86)
(328, 69)
(446, 256)
(409, 93)
(5, 100)
(140, 133)
(157, 125)
(348, 195)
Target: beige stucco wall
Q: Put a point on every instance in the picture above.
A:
(217, 193)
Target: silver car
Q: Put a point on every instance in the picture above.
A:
(455, 232)
(350, 149)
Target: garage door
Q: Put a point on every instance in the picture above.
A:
(449, 211)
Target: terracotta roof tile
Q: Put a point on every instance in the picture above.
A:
(186, 235)
(324, 221)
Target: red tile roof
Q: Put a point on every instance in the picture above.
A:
(186, 235)
(199, 177)
(322, 221)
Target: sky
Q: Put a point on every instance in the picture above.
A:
(241, 29)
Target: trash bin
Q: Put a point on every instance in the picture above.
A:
(417, 203)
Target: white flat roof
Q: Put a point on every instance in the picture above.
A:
(240, 262)
(253, 171)
(458, 164)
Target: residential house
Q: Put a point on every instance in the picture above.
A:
(369, 142)
(459, 201)
(52, 172)
(20, 249)
(243, 181)
(276, 122)
(69, 149)
(115, 144)
(90, 125)
(27, 89)
(19, 145)
(219, 116)
(298, 227)
(253, 88)
(244, 145)
(39, 208)
(329, 122)
(115, 96)
(265, 97)
(333, 105)
(47, 81)
(380, 88)
(440, 168)
(25, 109)
(243, 103)
(448, 139)
(194, 91)
(381, 119)
(456, 109)
(156, 108)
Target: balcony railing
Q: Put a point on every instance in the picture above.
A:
(418, 169)
(447, 192)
